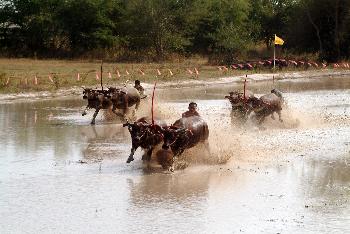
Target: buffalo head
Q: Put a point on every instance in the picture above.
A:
(171, 135)
(137, 131)
(144, 134)
(86, 93)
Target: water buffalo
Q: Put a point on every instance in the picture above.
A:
(116, 98)
(145, 135)
(266, 105)
(240, 104)
(125, 98)
(185, 133)
(97, 99)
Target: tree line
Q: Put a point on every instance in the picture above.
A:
(139, 30)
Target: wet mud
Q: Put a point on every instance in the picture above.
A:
(59, 174)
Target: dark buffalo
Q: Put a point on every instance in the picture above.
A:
(266, 105)
(125, 98)
(145, 135)
(240, 104)
(185, 133)
(116, 98)
(97, 99)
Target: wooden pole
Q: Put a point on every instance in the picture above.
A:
(154, 88)
(244, 88)
(274, 55)
(101, 75)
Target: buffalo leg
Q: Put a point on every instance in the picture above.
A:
(232, 117)
(137, 105)
(116, 113)
(207, 147)
(149, 154)
(85, 110)
(261, 119)
(94, 116)
(131, 156)
(279, 115)
(125, 113)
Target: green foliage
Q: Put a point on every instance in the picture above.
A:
(157, 29)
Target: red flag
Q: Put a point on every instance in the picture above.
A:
(197, 72)
(170, 72)
(249, 66)
(35, 80)
(50, 78)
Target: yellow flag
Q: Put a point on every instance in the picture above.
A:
(278, 41)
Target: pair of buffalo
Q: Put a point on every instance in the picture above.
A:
(243, 104)
(185, 133)
(114, 98)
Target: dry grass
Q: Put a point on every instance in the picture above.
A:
(20, 73)
(17, 75)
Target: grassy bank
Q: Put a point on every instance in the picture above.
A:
(18, 75)
(26, 75)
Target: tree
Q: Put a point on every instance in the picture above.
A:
(87, 24)
(321, 27)
(269, 17)
(224, 28)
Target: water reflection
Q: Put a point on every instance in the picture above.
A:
(158, 201)
(105, 141)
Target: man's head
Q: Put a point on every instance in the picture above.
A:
(137, 82)
(192, 106)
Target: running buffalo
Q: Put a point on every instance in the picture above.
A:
(116, 98)
(266, 105)
(185, 133)
(240, 104)
(145, 135)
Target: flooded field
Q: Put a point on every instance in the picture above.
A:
(58, 174)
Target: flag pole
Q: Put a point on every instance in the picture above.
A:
(101, 74)
(274, 54)
(154, 88)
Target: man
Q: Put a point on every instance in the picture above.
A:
(139, 88)
(192, 111)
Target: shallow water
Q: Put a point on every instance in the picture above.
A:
(58, 174)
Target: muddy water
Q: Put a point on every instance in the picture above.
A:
(58, 174)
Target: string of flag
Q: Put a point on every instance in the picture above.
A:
(195, 72)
